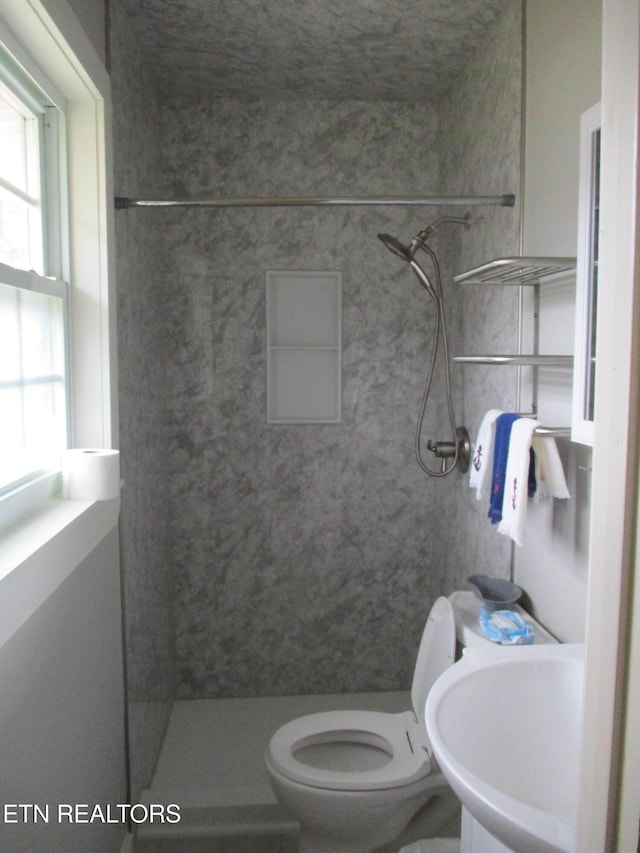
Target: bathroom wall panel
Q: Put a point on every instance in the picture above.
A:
(306, 556)
(480, 139)
(141, 287)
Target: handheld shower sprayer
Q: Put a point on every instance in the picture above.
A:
(406, 253)
(423, 279)
(454, 454)
(394, 245)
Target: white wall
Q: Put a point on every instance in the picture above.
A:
(61, 711)
(563, 60)
(613, 567)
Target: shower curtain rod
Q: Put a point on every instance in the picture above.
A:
(314, 201)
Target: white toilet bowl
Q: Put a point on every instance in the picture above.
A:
(355, 779)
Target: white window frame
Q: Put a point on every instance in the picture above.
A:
(48, 286)
(45, 545)
(56, 54)
(29, 105)
(50, 275)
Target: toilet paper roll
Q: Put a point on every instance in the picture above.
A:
(91, 474)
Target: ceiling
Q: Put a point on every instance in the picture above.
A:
(396, 50)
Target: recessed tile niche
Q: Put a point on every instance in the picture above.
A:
(304, 354)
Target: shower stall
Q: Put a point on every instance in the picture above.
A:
(265, 560)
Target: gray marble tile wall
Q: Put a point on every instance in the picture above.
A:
(144, 436)
(306, 556)
(480, 138)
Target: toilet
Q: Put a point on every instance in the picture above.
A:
(355, 779)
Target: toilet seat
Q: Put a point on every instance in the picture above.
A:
(396, 745)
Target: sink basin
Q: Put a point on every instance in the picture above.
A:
(504, 724)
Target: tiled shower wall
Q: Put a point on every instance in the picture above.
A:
(307, 556)
(146, 566)
(304, 555)
(480, 134)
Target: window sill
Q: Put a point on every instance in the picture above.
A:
(40, 552)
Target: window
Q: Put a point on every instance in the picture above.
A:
(20, 191)
(33, 298)
(48, 65)
(46, 44)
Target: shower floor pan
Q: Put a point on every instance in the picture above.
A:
(211, 762)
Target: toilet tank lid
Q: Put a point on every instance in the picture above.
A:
(436, 653)
(466, 608)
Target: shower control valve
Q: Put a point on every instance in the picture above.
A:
(448, 449)
(442, 449)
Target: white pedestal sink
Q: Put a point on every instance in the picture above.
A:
(504, 724)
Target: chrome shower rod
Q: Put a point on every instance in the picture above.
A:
(315, 201)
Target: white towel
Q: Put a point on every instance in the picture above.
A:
(516, 485)
(550, 479)
(482, 459)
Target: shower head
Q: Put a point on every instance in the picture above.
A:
(407, 254)
(394, 245)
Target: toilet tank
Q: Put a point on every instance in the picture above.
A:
(466, 609)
